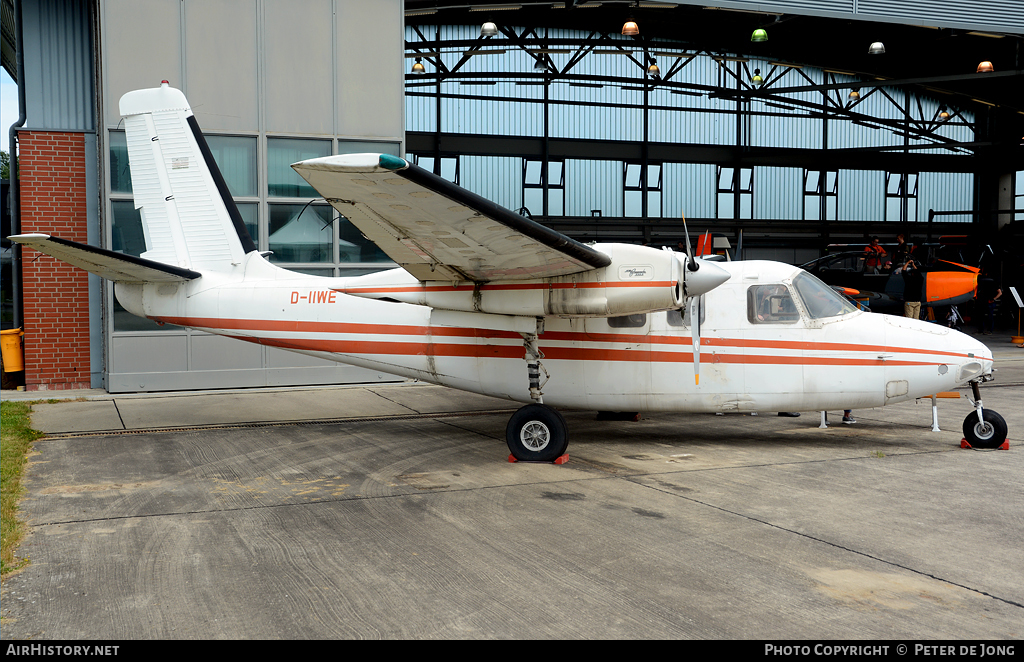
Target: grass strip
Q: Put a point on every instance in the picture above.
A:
(16, 437)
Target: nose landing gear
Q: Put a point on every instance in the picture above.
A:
(983, 428)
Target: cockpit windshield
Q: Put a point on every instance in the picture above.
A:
(819, 299)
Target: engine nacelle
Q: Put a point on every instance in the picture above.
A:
(638, 280)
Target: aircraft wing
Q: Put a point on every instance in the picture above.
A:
(117, 267)
(436, 230)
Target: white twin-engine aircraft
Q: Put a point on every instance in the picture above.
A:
(491, 302)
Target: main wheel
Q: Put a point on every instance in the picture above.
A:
(989, 433)
(537, 433)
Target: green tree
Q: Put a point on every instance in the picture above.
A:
(5, 165)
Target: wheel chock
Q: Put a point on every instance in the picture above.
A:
(561, 459)
(1005, 446)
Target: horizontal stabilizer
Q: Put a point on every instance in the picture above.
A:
(116, 267)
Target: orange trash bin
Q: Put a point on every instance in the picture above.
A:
(10, 345)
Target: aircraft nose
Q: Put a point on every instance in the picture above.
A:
(707, 277)
(977, 358)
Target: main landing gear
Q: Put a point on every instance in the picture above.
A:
(536, 433)
(983, 428)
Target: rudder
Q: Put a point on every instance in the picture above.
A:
(189, 218)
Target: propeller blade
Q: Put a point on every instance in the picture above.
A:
(696, 303)
(690, 263)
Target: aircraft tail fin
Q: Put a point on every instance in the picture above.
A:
(189, 218)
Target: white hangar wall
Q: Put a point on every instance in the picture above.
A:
(269, 83)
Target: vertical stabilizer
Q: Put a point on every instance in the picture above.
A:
(188, 217)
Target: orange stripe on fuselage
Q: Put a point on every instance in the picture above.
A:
(432, 348)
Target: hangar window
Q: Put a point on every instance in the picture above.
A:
(901, 196)
(236, 160)
(771, 304)
(633, 190)
(821, 193)
(282, 181)
(534, 181)
(735, 190)
(446, 167)
(120, 175)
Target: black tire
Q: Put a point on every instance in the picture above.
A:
(537, 433)
(989, 434)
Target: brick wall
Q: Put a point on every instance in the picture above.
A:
(55, 294)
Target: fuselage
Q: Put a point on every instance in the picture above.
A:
(765, 344)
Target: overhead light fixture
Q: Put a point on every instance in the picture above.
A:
(417, 67)
(653, 71)
(630, 28)
(756, 80)
(759, 35)
(488, 29)
(985, 67)
(876, 48)
(540, 65)
(855, 94)
(943, 113)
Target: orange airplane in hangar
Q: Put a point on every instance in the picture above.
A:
(946, 283)
(847, 268)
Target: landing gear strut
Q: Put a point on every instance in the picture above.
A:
(983, 428)
(536, 433)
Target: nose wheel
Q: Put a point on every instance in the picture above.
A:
(989, 431)
(983, 428)
(537, 433)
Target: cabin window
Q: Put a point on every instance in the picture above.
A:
(628, 321)
(771, 304)
(681, 317)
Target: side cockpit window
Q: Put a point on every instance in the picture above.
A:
(771, 304)
(819, 299)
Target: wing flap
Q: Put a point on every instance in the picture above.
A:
(437, 230)
(116, 267)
